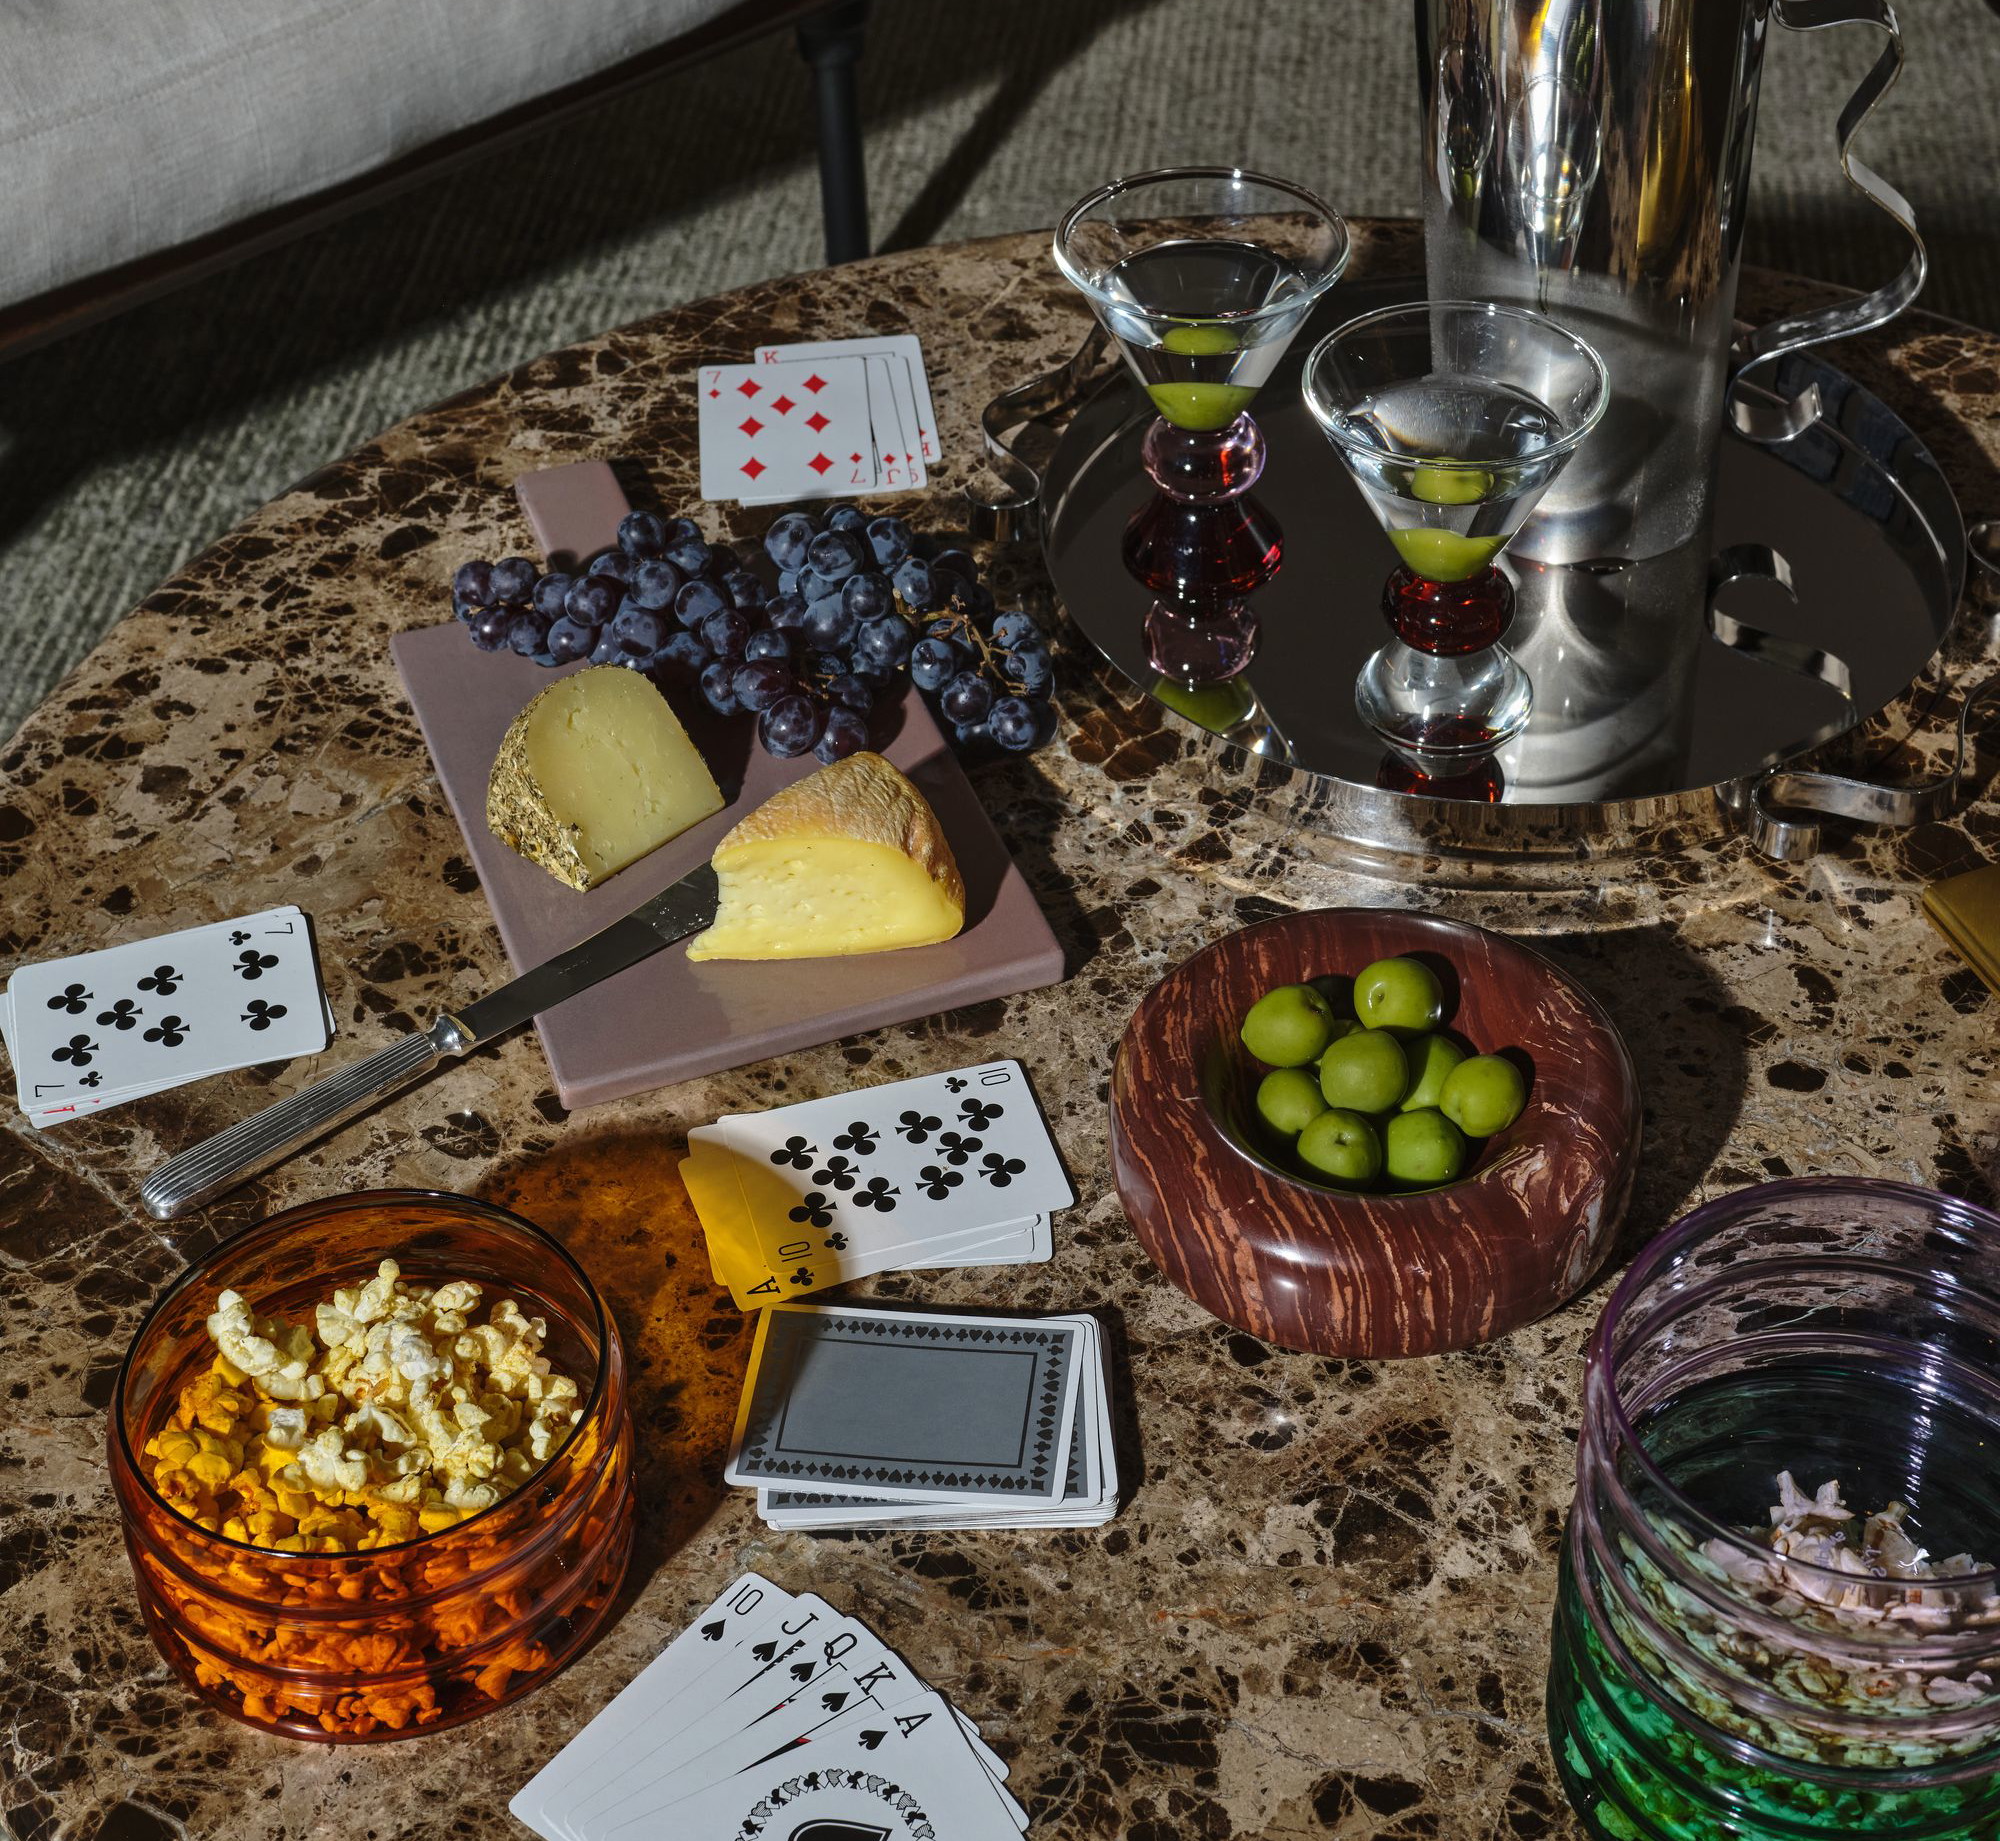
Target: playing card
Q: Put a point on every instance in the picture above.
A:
(733, 1620)
(885, 1177)
(1017, 1243)
(1090, 1484)
(893, 417)
(908, 1405)
(801, 1249)
(906, 357)
(99, 1027)
(839, 1668)
(744, 1678)
(805, 1508)
(904, 1772)
(759, 1676)
(786, 431)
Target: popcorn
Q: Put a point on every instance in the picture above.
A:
(395, 1413)
(1809, 1570)
(275, 1355)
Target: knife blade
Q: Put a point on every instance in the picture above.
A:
(240, 1151)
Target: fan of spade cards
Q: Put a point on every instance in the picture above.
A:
(774, 1718)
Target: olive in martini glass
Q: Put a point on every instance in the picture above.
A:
(1202, 275)
(1452, 417)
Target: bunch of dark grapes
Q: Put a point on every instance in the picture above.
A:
(987, 673)
(854, 606)
(643, 603)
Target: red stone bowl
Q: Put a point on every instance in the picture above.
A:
(1349, 1274)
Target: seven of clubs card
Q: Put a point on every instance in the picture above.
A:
(89, 1031)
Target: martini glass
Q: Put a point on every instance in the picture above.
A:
(1452, 417)
(1202, 275)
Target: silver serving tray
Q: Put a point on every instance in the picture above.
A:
(1674, 698)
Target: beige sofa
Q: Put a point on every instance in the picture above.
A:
(144, 142)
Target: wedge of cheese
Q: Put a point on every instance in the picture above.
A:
(850, 859)
(594, 773)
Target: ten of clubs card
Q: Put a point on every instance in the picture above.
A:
(952, 1169)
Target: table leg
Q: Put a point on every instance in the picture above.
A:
(831, 43)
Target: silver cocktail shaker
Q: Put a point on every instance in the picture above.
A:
(1591, 159)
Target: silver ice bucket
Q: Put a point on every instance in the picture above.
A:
(1591, 159)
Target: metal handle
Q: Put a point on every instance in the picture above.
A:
(1002, 519)
(236, 1154)
(1775, 797)
(1759, 562)
(1755, 413)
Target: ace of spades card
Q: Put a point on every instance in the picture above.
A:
(786, 431)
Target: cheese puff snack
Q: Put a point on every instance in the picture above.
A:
(397, 1413)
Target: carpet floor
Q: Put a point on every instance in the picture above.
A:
(126, 448)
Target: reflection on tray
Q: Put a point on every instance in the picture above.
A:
(1202, 561)
(1643, 692)
(1231, 709)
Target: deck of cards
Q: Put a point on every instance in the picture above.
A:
(832, 419)
(103, 1027)
(775, 1716)
(855, 1417)
(944, 1170)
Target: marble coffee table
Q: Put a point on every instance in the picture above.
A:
(1324, 1609)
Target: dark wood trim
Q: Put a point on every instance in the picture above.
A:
(78, 304)
(831, 44)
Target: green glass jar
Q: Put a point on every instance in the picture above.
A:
(1778, 1617)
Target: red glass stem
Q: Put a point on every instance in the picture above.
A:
(1201, 466)
(1203, 555)
(1448, 619)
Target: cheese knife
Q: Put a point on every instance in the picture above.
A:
(238, 1153)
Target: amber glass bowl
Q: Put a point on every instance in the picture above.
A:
(409, 1638)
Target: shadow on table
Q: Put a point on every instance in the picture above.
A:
(617, 1203)
(1029, 810)
(517, 223)
(1688, 1040)
(1128, 1435)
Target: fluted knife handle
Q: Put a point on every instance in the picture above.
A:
(253, 1144)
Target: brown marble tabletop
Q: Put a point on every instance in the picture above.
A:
(1323, 1609)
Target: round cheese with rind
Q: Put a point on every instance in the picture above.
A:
(594, 773)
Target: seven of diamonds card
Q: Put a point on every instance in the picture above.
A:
(786, 431)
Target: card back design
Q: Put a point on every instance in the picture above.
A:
(909, 1406)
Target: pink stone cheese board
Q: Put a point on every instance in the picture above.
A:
(664, 1020)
